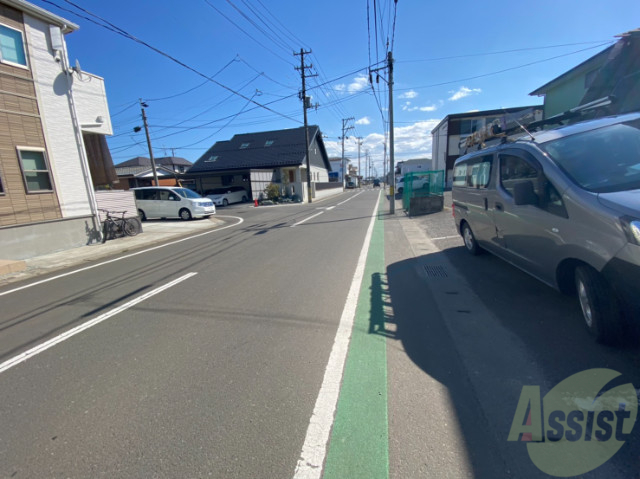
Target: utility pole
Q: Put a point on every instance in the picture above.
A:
(392, 189)
(306, 103)
(384, 163)
(359, 138)
(146, 130)
(345, 128)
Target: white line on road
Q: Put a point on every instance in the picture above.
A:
(314, 449)
(349, 199)
(445, 237)
(306, 219)
(331, 207)
(122, 257)
(78, 329)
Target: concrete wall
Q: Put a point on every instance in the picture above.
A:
(27, 241)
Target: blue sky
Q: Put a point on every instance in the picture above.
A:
(451, 57)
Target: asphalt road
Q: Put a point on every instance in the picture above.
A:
(215, 376)
(208, 356)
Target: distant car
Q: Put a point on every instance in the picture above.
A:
(351, 185)
(227, 195)
(171, 202)
(418, 182)
(376, 183)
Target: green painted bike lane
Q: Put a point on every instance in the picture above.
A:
(359, 443)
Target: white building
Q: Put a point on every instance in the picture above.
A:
(54, 152)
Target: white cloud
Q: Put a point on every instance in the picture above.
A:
(409, 94)
(358, 84)
(407, 107)
(363, 121)
(411, 141)
(463, 92)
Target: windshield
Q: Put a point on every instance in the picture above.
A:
(218, 191)
(187, 193)
(603, 160)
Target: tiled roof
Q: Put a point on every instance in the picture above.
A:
(266, 149)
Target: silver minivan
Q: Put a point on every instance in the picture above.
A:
(564, 206)
(171, 202)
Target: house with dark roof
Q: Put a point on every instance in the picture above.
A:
(253, 160)
(138, 172)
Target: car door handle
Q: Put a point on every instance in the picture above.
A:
(499, 207)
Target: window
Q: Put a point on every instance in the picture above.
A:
(469, 126)
(1, 187)
(12, 46)
(473, 173)
(514, 169)
(244, 146)
(211, 159)
(269, 142)
(35, 170)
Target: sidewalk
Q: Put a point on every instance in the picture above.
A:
(154, 232)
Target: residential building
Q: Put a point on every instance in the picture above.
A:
(253, 160)
(613, 72)
(138, 172)
(449, 135)
(337, 168)
(53, 152)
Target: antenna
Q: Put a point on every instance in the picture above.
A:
(78, 69)
(521, 126)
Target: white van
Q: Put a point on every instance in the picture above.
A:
(171, 202)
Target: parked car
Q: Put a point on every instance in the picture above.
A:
(418, 182)
(564, 206)
(227, 195)
(376, 183)
(171, 202)
(351, 185)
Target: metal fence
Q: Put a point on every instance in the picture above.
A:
(422, 184)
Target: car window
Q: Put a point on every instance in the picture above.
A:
(146, 194)
(187, 193)
(603, 160)
(514, 169)
(473, 173)
(552, 201)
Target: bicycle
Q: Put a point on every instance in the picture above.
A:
(115, 227)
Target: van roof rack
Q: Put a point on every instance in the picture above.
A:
(574, 113)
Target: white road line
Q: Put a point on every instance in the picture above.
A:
(330, 208)
(78, 329)
(306, 219)
(445, 237)
(122, 257)
(349, 199)
(316, 441)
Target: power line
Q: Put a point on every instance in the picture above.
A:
(122, 32)
(499, 71)
(517, 50)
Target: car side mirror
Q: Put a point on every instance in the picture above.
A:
(524, 194)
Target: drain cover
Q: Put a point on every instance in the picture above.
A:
(436, 271)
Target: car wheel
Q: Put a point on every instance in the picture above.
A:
(142, 216)
(185, 214)
(470, 242)
(600, 308)
(225, 202)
